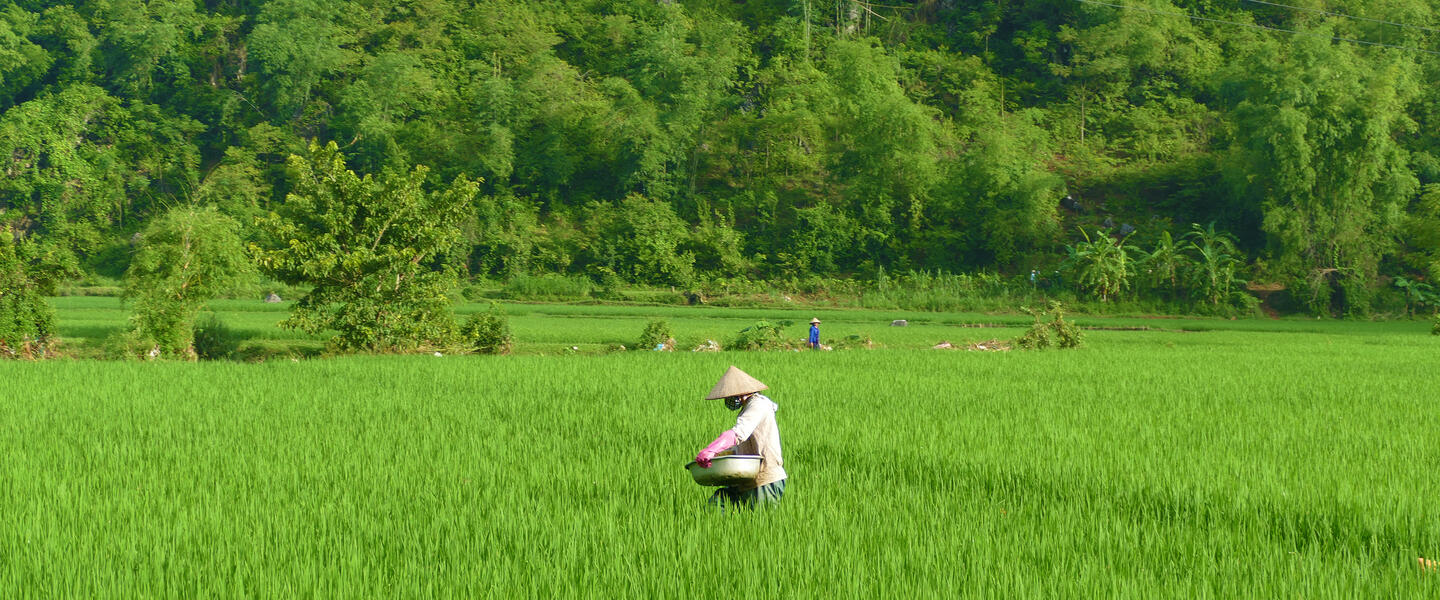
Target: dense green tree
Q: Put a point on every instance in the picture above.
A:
(782, 138)
(183, 259)
(297, 45)
(1316, 126)
(639, 238)
(79, 161)
(1420, 234)
(22, 62)
(27, 324)
(374, 248)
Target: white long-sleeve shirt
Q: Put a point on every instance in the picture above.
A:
(757, 433)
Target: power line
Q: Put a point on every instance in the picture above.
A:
(1254, 26)
(1335, 14)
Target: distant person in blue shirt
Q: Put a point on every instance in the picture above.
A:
(814, 334)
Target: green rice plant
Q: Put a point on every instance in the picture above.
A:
(1158, 459)
(1184, 463)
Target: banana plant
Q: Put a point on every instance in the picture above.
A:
(1101, 265)
(1165, 265)
(1418, 294)
(1213, 264)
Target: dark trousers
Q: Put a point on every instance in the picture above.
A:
(764, 496)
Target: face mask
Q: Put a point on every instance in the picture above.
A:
(734, 402)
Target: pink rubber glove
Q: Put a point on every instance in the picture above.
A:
(721, 444)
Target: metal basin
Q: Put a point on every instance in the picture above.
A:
(734, 469)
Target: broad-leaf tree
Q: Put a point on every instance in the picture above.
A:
(377, 251)
(1316, 126)
(184, 258)
(26, 322)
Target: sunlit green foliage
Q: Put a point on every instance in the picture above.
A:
(682, 143)
(1212, 263)
(764, 335)
(26, 322)
(1101, 265)
(1050, 330)
(657, 335)
(376, 249)
(184, 258)
(1317, 127)
(1164, 265)
(488, 332)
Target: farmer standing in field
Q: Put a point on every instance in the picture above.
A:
(814, 334)
(755, 432)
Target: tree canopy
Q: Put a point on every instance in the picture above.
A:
(375, 250)
(671, 142)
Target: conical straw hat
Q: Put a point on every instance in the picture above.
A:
(735, 383)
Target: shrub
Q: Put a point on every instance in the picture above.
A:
(184, 259)
(1212, 267)
(378, 251)
(26, 322)
(640, 239)
(214, 340)
(1052, 333)
(657, 336)
(853, 342)
(488, 332)
(128, 345)
(764, 335)
(261, 350)
(1435, 329)
(612, 287)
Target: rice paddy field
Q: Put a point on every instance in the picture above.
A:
(1195, 459)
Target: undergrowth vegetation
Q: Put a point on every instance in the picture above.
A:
(1050, 330)
(26, 321)
(488, 332)
(214, 340)
(656, 336)
(764, 335)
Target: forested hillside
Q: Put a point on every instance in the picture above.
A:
(686, 142)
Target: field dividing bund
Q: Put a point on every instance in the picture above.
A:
(1212, 464)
